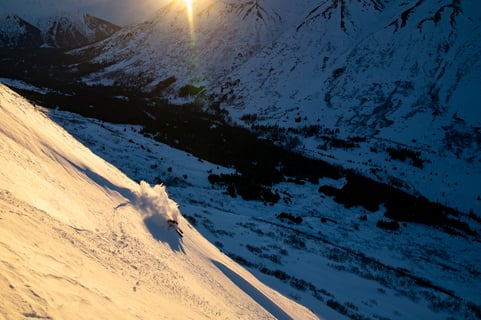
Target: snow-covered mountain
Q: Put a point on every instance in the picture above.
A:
(363, 66)
(370, 66)
(64, 31)
(395, 74)
(16, 32)
(388, 88)
(389, 75)
(79, 239)
(196, 45)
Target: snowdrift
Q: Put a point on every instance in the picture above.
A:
(79, 239)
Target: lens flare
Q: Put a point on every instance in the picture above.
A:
(190, 18)
(195, 72)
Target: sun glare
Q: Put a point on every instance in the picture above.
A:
(194, 67)
(190, 18)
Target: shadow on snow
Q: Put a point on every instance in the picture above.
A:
(162, 231)
(253, 292)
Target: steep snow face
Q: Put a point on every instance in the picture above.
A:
(196, 45)
(63, 31)
(78, 239)
(370, 68)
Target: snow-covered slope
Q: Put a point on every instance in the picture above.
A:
(62, 31)
(79, 239)
(370, 66)
(332, 259)
(396, 74)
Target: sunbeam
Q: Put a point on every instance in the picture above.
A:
(195, 73)
(190, 18)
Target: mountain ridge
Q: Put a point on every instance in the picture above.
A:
(224, 35)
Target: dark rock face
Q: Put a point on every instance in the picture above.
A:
(16, 32)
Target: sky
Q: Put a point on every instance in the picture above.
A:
(121, 12)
